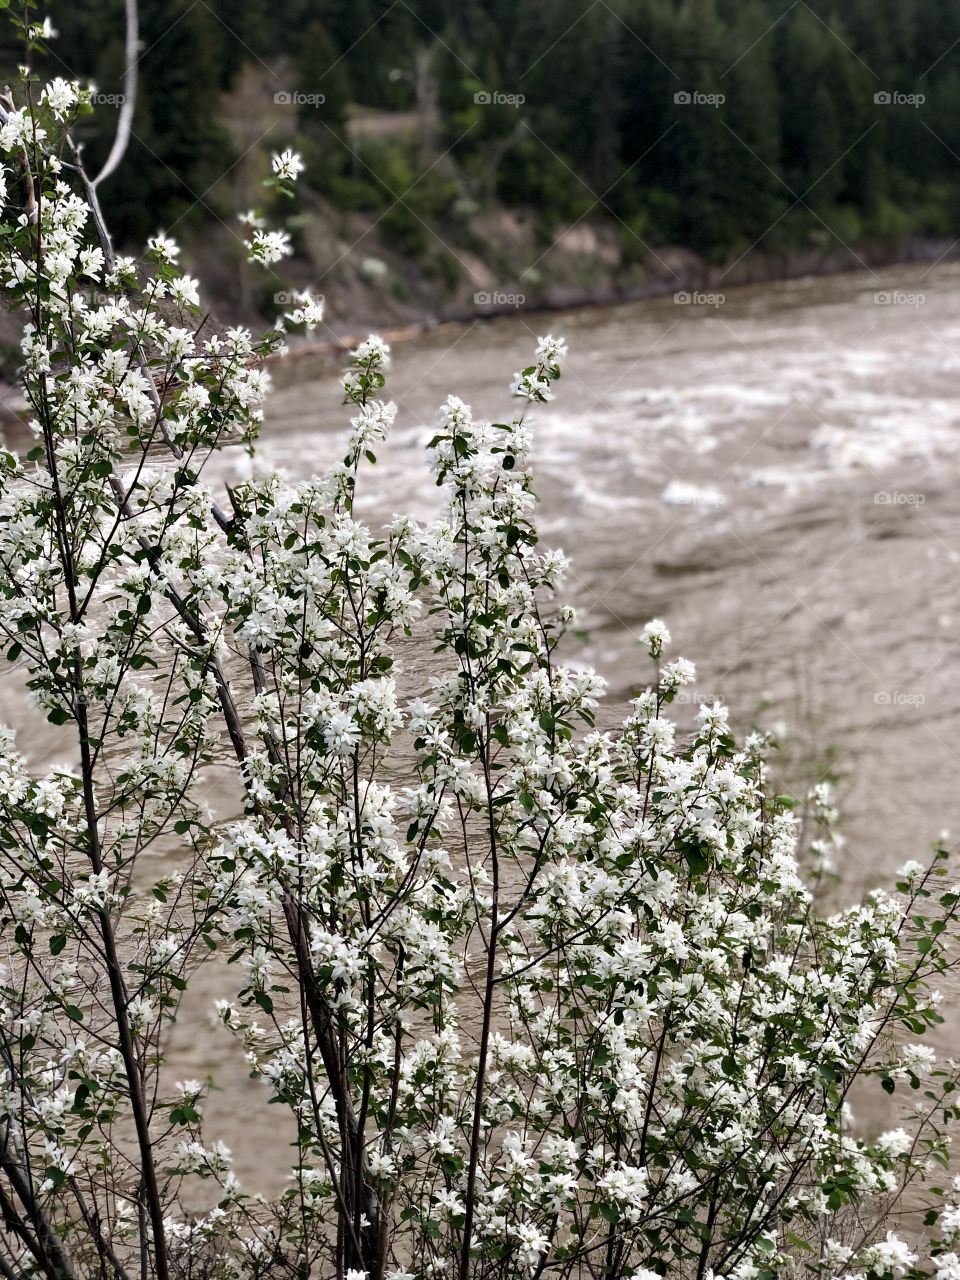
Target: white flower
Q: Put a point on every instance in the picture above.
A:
(373, 351)
(287, 165)
(656, 636)
(947, 1267)
(895, 1142)
(891, 1254)
(92, 892)
(60, 96)
(836, 1255)
(308, 311)
(551, 352)
(184, 291)
(164, 247)
(678, 673)
(90, 262)
(531, 386)
(918, 1057)
(628, 1186)
(530, 1244)
(267, 247)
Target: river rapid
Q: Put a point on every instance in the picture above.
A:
(774, 474)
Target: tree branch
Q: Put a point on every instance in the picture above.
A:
(129, 103)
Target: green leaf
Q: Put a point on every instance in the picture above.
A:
(696, 859)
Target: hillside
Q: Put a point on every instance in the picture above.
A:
(468, 158)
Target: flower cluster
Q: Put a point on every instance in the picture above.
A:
(538, 996)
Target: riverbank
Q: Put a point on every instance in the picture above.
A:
(673, 270)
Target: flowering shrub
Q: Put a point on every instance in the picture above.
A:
(541, 1000)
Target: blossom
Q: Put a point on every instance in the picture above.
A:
(530, 1243)
(551, 352)
(268, 247)
(372, 351)
(530, 385)
(655, 636)
(308, 311)
(889, 1255)
(287, 165)
(678, 673)
(184, 291)
(61, 96)
(895, 1142)
(628, 1187)
(165, 248)
(918, 1057)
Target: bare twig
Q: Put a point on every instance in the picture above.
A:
(129, 102)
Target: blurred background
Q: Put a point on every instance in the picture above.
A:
(742, 214)
(557, 149)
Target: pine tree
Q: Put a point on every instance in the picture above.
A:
(321, 72)
(178, 150)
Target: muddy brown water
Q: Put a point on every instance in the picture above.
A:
(774, 474)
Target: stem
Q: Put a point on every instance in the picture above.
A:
(118, 992)
(45, 1245)
(118, 989)
(488, 993)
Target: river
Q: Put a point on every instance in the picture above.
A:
(771, 472)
